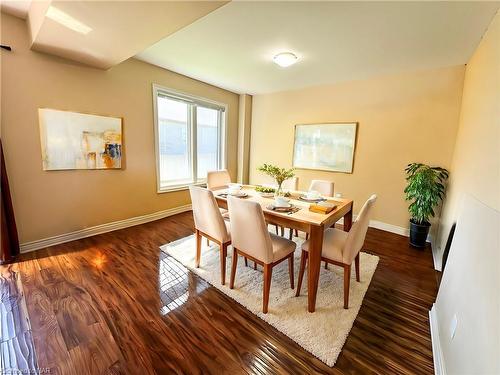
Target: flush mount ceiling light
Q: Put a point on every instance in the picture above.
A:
(285, 59)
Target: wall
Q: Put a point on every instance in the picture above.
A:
(475, 168)
(403, 118)
(56, 202)
(244, 126)
(469, 295)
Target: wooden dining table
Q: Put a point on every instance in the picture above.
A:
(303, 220)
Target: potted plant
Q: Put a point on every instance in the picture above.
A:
(425, 190)
(279, 175)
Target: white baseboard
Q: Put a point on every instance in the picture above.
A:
(387, 227)
(121, 224)
(99, 229)
(439, 368)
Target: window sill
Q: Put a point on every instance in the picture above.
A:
(182, 187)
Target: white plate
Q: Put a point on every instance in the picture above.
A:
(305, 198)
(241, 194)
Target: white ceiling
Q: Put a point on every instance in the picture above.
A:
(18, 8)
(233, 46)
(105, 33)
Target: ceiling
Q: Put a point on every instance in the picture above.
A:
(233, 46)
(104, 33)
(18, 8)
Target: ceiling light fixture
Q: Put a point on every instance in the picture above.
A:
(66, 20)
(285, 59)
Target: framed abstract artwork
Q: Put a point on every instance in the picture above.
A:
(72, 140)
(325, 146)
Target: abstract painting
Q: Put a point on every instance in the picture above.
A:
(72, 140)
(327, 147)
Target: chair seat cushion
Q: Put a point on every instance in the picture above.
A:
(281, 247)
(333, 244)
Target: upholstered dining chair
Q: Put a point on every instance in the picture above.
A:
(291, 184)
(342, 248)
(208, 222)
(325, 188)
(252, 240)
(218, 179)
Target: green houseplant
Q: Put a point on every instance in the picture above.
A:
(279, 175)
(425, 189)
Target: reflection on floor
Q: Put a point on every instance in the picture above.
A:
(114, 303)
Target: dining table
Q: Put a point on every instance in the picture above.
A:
(302, 219)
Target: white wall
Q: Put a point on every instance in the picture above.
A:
(470, 291)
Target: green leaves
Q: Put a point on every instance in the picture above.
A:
(279, 174)
(426, 188)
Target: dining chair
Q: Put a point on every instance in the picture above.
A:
(291, 184)
(325, 188)
(208, 222)
(342, 248)
(218, 179)
(252, 240)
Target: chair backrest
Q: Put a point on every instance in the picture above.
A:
(207, 216)
(218, 179)
(249, 229)
(357, 234)
(325, 188)
(291, 184)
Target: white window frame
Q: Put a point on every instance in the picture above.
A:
(196, 100)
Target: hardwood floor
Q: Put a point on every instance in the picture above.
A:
(114, 304)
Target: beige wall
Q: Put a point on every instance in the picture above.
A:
(475, 169)
(57, 202)
(403, 118)
(244, 126)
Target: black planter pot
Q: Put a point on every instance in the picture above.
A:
(418, 234)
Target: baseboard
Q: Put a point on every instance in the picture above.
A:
(387, 227)
(439, 368)
(121, 224)
(99, 229)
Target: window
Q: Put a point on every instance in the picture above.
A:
(189, 137)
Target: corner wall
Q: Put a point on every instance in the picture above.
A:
(50, 203)
(403, 118)
(475, 169)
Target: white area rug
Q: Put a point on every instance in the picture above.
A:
(322, 333)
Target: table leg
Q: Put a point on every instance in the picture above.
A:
(313, 265)
(348, 220)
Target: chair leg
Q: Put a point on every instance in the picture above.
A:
(326, 265)
(276, 228)
(208, 242)
(198, 249)
(303, 261)
(268, 271)
(233, 268)
(296, 233)
(290, 270)
(246, 262)
(347, 280)
(307, 236)
(223, 255)
(290, 235)
(356, 265)
(282, 231)
(254, 265)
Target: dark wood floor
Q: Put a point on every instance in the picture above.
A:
(114, 304)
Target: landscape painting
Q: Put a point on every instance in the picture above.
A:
(328, 147)
(72, 140)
